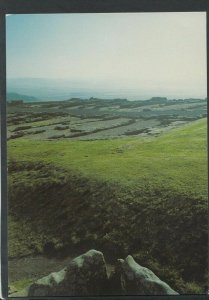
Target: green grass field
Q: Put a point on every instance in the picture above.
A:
(177, 160)
(141, 196)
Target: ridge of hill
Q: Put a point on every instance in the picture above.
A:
(15, 96)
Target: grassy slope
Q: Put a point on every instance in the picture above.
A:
(143, 196)
(176, 160)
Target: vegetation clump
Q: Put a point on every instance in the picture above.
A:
(21, 128)
(17, 135)
(61, 127)
(38, 131)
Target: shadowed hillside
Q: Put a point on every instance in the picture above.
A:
(141, 196)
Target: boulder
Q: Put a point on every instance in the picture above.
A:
(48, 285)
(133, 279)
(85, 275)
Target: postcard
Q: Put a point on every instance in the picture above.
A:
(107, 154)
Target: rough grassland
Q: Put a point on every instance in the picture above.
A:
(141, 196)
(176, 160)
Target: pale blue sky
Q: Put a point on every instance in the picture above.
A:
(156, 51)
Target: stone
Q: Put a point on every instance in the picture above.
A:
(48, 285)
(137, 280)
(85, 275)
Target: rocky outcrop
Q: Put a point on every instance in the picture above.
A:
(129, 278)
(49, 285)
(86, 275)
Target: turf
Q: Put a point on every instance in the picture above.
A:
(176, 160)
(144, 196)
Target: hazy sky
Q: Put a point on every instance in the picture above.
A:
(163, 52)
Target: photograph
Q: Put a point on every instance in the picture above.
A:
(107, 154)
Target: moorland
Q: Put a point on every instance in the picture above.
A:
(124, 177)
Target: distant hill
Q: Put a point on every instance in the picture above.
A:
(16, 96)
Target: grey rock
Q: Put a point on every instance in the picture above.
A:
(85, 275)
(48, 285)
(137, 280)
